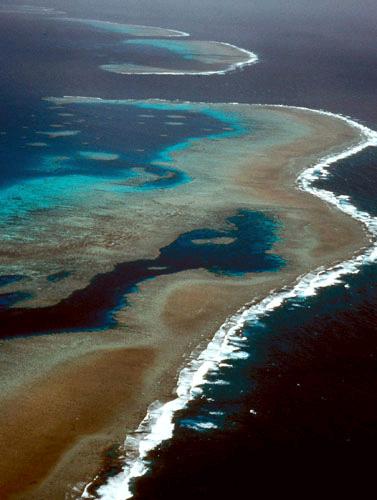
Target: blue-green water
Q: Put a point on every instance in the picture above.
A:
(44, 167)
(179, 47)
(312, 376)
(115, 147)
(252, 235)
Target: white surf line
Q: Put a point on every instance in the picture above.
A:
(158, 425)
(253, 58)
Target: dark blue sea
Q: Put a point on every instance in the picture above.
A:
(298, 416)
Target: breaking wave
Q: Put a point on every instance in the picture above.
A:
(252, 58)
(227, 343)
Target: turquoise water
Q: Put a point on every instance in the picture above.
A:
(311, 375)
(120, 157)
(124, 29)
(179, 47)
(146, 47)
(250, 237)
(121, 147)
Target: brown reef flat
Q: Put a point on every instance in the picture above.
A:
(207, 57)
(68, 397)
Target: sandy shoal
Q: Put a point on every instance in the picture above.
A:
(212, 57)
(69, 397)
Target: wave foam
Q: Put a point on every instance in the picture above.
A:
(252, 58)
(227, 343)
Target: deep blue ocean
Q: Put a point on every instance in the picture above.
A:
(298, 416)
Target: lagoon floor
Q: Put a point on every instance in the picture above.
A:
(77, 393)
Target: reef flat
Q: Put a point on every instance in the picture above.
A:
(192, 57)
(134, 30)
(162, 51)
(145, 337)
(138, 49)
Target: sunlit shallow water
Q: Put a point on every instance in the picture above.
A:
(291, 421)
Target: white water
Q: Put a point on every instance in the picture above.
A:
(227, 342)
(252, 58)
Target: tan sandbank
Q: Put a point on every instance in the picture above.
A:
(105, 228)
(107, 379)
(204, 58)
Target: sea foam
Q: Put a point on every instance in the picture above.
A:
(227, 343)
(251, 58)
(136, 31)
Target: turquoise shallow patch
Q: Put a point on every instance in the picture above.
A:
(99, 155)
(252, 235)
(80, 164)
(127, 29)
(182, 48)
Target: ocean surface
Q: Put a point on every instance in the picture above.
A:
(295, 415)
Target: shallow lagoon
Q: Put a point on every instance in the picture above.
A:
(75, 163)
(283, 51)
(134, 153)
(252, 235)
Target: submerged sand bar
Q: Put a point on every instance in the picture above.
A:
(192, 57)
(202, 57)
(135, 30)
(170, 315)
